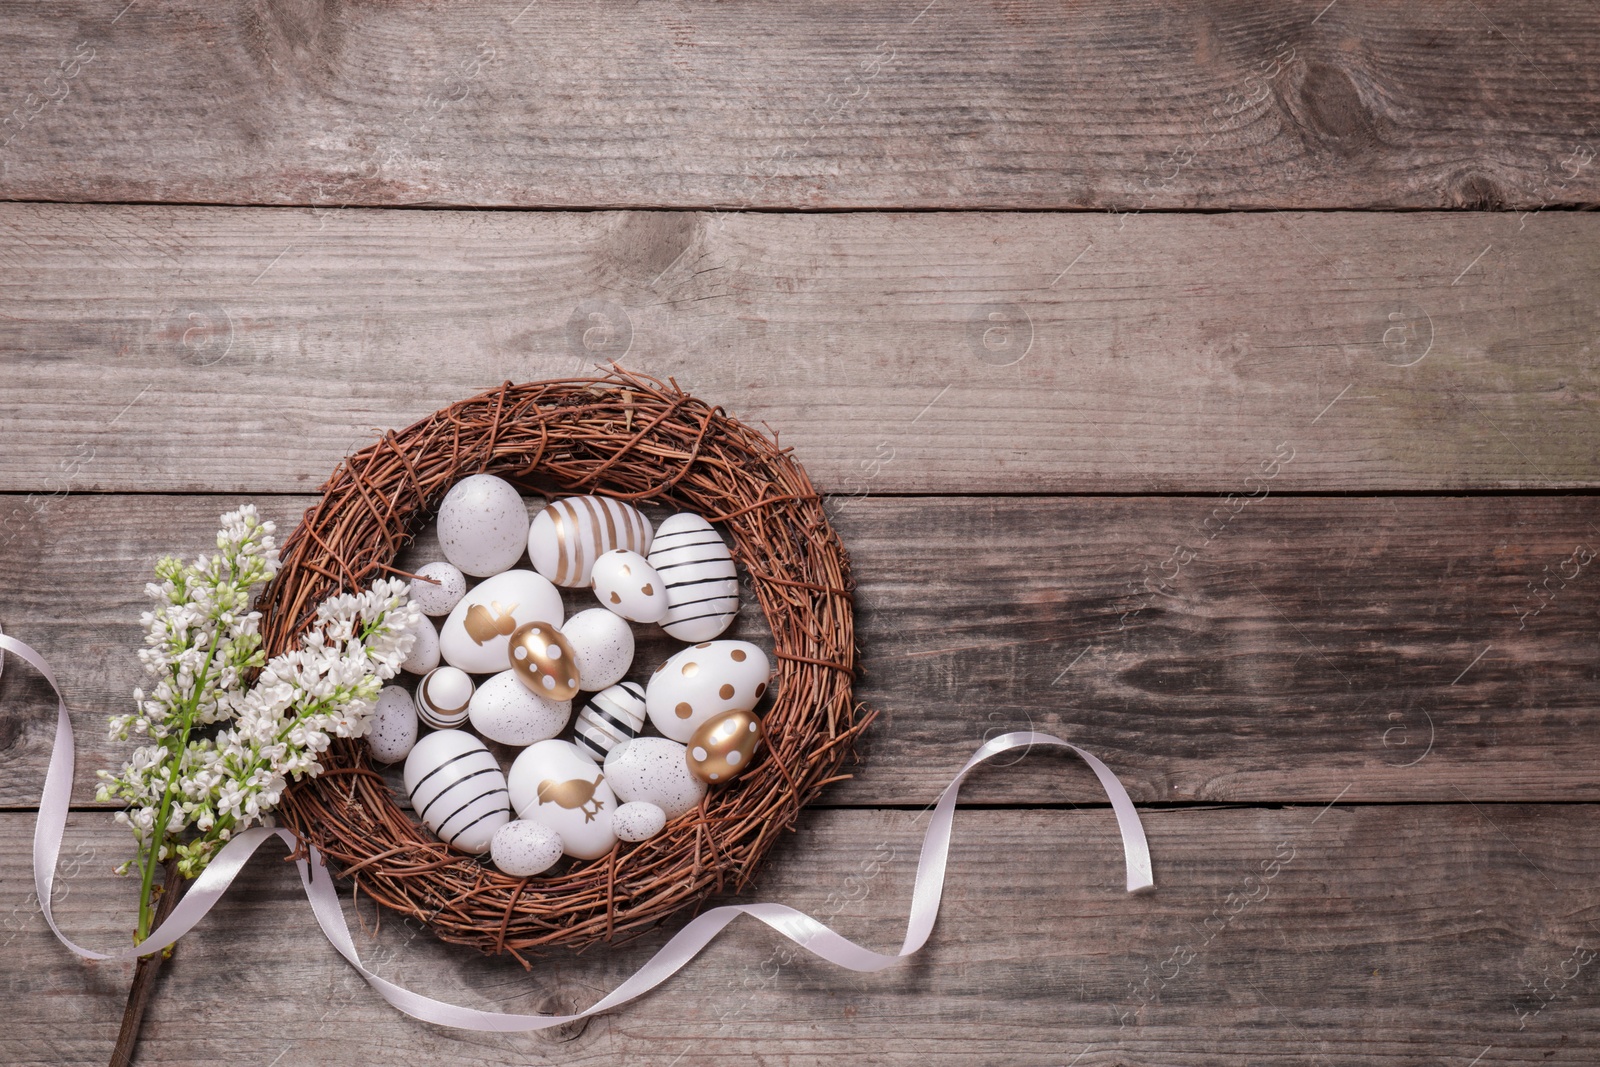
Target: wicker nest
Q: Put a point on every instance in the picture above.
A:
(636, 439)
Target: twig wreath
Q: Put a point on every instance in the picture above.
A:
(637, 439)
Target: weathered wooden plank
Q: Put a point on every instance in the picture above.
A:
(966, 353)
(1202, 104)
(1367, 935)
(1400, 648)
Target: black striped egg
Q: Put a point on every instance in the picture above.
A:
(443, 696)
(612, 716)
(457, 789)
(697, 570)
(567, 537)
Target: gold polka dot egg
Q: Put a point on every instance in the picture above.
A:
(722, 747)
(703, 682)
(544, 661)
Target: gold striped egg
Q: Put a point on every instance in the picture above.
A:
(567, 537)
(722, 747)
(544, 661)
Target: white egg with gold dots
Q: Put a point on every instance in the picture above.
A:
(704, 681)
(625, 583)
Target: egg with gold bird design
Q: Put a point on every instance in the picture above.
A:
(477, 634)
(554, 782)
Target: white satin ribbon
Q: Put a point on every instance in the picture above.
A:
(802, 929)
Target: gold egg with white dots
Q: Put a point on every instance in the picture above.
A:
(723, 747)
(544, 661)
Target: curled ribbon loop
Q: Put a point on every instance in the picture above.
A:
(804, 930)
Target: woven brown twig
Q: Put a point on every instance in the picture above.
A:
(636, 439)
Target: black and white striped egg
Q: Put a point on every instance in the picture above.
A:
(443, 697)
(457, 789)
(612, 716)
(697, 570)
(567, 537)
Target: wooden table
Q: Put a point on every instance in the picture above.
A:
(1212, 384)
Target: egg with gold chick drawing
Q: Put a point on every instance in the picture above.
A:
(475, 635)
(556, 783)
(722, 747)
(544, 660)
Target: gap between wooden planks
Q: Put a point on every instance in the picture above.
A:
(1380, 649)
(1198, 104)
(190, 349)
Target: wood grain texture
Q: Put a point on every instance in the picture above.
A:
(195, 349)
(1398, 648)
(1200, 104)
(1345, 935)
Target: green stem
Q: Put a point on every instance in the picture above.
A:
(175, 745)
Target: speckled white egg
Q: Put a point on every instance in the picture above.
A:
(567, 537)
(704, 681)
(457, 789)
(638, 820)
(483, 525)
(392, 729)
(478, 632)
(556, 783)
(443, 697)
(611, 717)
(525, 847)
(625, 583)
(424, 654)
(602, 643)
(654, 769)
(444, 592)
(505, 710)
(697, 569)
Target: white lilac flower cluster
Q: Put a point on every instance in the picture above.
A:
(201, 642)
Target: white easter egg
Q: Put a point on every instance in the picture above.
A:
(555, 783)
(457, 789)
(654, 769)
(505, 710)
(443, 697)
(392, 729)
(567, 537)
(483, 525)
(523, 848)
(602, 643)
(476, 635)
(424, 654)
(612, 716)
(638, 820)
(697, 569)
(704, 681)
(437, 597)
(625, 583)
